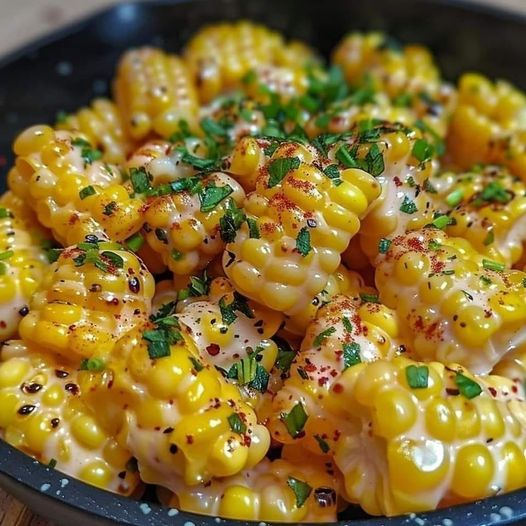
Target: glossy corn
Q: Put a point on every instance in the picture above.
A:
(185, 227)
(43, 414)
(402, 160)
(180, 418)
(488, 125)
(487, 207)
(22, 264)
(300, 221)
(72, 193)
(226, 56)
(267, 492)
(102, 125)
(346, 331)
(154, 92)
(452, 306)
(429, 435)
(93, 295)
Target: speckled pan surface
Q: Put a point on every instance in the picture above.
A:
(67, 69)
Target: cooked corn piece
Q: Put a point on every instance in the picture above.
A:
(183, 422)
(102, 125)
(43, 414)
(22, 265)
(247, 159)
(185, 227)
(346, 331)
(486, 207)
(225, 56)
(452, 306)
(154, 93)
(298, 223)
(402, 160)
(72, 192)
(488, 125)
(430, 435)
(271, 491)
(93, 295)
(342, 281)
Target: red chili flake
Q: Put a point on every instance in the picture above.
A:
(492, 391)
(338, 388)
(213, 349)
(189, 439)
(397, 182)
(310, 368)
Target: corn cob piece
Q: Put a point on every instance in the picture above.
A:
(452, 306)
(402, 160)
(346, 331)
(22, 265)
(154, 93)
(43, 414)
(221, 56)
(429, 435)
(299, 221)
(342, 281)
(72, 193)
(93, 295)
(186, 228)
(102, 125)
(271, 491)
(180, 418)
(486, 207)
(488, 125)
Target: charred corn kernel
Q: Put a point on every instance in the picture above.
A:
(67, 433)
(22, 264)
(102, 124)
(452, 308)
(266, 492)
(418, 457)
(180, 418)
(298, 223)
(346, 331)
(488, 124)
(486, 207)
(227, 55)
(401, 171)
(72, 192)
(154, 93)
(185, 228)
(94, 294)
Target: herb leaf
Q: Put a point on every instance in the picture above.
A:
(301, 490)
(278, 169)
(467, 387)
(351, 354)
(417, 376)
(295, 420)
(303, 244)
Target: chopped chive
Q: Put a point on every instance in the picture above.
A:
(441, 222)
(86, 192)
(489, 239)
(417, 376)
(455, 197)
(92, 364)
(135, 242)
(324, 446)
(493, 265)
(347, 324)
(253, 229)
(369, 298)
(236, 424)
(6, 254)
(322, 336)
(140, 180)
(467, 387)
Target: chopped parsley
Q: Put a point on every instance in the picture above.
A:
(278, 169)
(369, 298)
(212, 195)
(295, 420)
(408, 206)
(87, 152)
(375, 161)
(422, 150)
(253, 229)
(467, 387)
(301, 490)
(140, 180)
(383, 245)
(198, 163)
(231, 221)
(286, 354)
(92, 364)
(351, 354)
(303, 244)
(109, 208)
(86, 192)
(494, 192)
(322, 336)
(347, 324)
(166, 332)
(322, 443)
(333, 173)
(489, 239)
(239, 304)
(417, 376)
(236, 424)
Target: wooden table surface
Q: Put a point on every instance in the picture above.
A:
(20, 22)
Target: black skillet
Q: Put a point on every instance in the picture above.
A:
(68, 68)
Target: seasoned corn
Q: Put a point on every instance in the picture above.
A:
(72, 192)
(154, 93)
(429, 435)
(452, 306)
(43, 414)
(93, 295)
(299, 221)
(102, 125)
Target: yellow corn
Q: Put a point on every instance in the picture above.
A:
(428, 435)
(452, 306)
(94, 294)
(301, 221)
(488, 125)
(485, 207)
(72, 192)
(103, 127)
(346, 331)
(154, 92)
(186, 231)
(180, 418)
(22, 264)
(267, 493)
(222, 56)
(43, 414)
